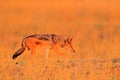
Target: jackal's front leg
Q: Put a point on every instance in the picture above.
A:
(56, 49)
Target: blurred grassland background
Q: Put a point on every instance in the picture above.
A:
(93, 24)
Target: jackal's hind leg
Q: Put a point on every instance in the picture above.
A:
(32, 46)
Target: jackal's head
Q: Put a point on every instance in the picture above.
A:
(68, 43)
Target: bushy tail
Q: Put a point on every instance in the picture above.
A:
(18, 52)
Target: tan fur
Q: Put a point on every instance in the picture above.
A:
(55, 41)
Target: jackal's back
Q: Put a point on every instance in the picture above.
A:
(48, 37)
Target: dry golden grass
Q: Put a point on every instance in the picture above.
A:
(94, 25)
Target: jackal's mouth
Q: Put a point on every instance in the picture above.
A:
(73, 50)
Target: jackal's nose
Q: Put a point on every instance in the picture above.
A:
(74, 51)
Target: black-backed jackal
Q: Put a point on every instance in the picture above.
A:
(55, 41)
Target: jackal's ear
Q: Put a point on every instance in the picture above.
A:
(69, 39)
